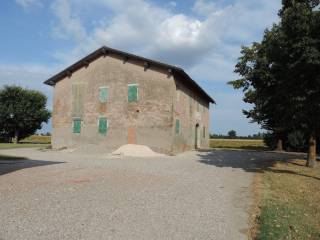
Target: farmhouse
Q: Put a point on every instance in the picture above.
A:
(111, 98)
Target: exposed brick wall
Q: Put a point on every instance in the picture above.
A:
(150, 121)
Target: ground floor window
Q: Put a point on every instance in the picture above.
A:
(76, 125)
(103, 125)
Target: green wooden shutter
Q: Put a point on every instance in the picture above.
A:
(103, 125)
(103, 94)
(78, 98)
(76, 125)
(177, 126)
(204, 132)
(132, 93)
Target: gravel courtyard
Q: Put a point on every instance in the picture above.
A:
(56, 195)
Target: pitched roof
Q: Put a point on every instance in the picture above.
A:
(105, 50)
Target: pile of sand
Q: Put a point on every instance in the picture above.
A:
(134, 150)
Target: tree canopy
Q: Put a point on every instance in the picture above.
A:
(281, 74)
(22, 112)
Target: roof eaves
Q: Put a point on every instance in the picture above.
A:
(105, 50)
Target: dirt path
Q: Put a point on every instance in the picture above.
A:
(194, 195)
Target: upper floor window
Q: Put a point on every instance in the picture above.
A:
(103, 94)
(133, 93)
(178, 128)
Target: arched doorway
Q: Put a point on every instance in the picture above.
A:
(197, 137)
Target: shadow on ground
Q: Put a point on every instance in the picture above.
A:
(12, 163)
(250, 161)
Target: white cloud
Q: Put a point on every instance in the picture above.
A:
(29, 76)
(179, 29)
(29, 4)
(205, 41)
(69, 25)
(203, 7)
(146, 29)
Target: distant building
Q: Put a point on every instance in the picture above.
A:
(111, 98)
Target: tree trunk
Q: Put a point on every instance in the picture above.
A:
(16, 137)
(279, 145)
(312, 152)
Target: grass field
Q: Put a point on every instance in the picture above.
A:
(289, 202)
(37, 139)
(238, 144)
(32, 141)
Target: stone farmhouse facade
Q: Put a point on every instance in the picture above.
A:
(111, 98)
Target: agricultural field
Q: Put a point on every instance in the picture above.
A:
(36, 141)
(238, 144)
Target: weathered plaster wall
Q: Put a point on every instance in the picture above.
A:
(192, 110)
(148, 122)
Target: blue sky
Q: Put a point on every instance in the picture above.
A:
(41, 37)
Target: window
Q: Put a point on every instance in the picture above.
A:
(204, 132)
(177, 126)
(78, 99)
(103, 94)
(77, 125)
(132, 92)
(198, 106)
(103, 125)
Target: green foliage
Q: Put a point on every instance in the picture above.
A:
(270, 139)
(281, 74)
(297, 141)
(232, 134)
(22, 111)
(222, 136)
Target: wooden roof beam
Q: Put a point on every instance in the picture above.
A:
(146, 65)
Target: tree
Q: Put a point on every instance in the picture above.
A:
(22, 111)
(281, 75)
(300, 27)
(232, 134)
(262, 87)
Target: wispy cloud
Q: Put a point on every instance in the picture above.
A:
(69, 25)
(205, 40)
(29, 4)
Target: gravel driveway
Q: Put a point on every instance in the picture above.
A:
(55, 195)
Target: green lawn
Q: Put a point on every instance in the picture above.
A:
(8, 158)
(34, 141)
(289, 202)
(37, 139)
(238, 144)
(23, 145)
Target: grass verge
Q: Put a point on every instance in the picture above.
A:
(34, 141)
(238, 144)
(23, 145)
(10, 158)
(289, 202)
(37, 139)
